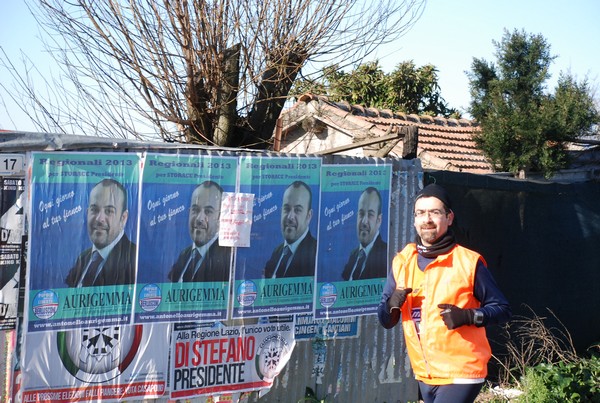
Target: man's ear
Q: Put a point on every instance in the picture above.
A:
(124, 216)
(450, 217)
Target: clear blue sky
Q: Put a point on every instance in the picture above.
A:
(451, 33)
(448, 35)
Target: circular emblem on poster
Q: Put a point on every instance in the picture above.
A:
(327, 295)
(150, 297)
(96, 355)
(45, 304)
(247, 293)
(270, 356)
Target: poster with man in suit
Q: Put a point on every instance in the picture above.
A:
(275, 274)
(204, 260)
(110, 260)
(353, 250)
(82, 242)
(186, 270)
(295, 256)
(369, 258)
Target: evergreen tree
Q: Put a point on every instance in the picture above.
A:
(408, 88)
(524, 128)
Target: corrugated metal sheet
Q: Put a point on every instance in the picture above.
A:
(370, 368)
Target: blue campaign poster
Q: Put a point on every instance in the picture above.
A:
(275, 275)
(353, 233)
(82, 242)
(184, 272)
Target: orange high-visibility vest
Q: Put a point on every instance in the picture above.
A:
(438, 355)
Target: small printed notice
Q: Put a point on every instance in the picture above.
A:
(12, 164)
(236, 219)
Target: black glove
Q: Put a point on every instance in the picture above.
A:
(398, 298)
(456, 317)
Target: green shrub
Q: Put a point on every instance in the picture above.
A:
(577, 382)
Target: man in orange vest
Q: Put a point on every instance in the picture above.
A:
(444, 295)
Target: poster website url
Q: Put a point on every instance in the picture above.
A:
(79, 322)
(278, 309)
(182, 315)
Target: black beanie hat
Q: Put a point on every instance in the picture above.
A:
(433, 190)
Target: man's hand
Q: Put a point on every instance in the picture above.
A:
(455, 317)
(398, 298)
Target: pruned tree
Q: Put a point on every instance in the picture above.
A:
(524, 127)
(408, 88)
(193, 71)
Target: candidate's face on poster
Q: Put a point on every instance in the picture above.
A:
(369, 218)
(295, 213)
(106, 216)
(205, 211)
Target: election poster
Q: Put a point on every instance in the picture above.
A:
(353, 252)
(12, 222)
(275, 274)
(211, 360)
(184, 267)
(109, 363)
(82, 239)
(308, 328)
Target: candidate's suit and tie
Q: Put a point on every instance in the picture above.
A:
(213, 267)
(375, 265)
(118, 269)
(302, 262)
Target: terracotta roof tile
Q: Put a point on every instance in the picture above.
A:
(445, 142)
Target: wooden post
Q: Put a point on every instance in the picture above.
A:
(410, 142)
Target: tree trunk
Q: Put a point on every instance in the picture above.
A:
(275, 84)
(227, 97)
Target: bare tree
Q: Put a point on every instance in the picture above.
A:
(193, 71)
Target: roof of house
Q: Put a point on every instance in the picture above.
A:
(442, 143)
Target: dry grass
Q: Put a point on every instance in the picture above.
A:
(531, 342)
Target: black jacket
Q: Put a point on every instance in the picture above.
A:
(303, 260)
(376, 264)
(214, 266)
(118, 269)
